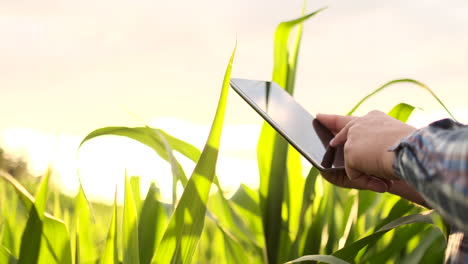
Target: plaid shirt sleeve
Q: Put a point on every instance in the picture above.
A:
(434, 160)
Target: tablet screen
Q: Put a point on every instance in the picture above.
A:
(292, 121)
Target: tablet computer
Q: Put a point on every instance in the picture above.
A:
(292, 121)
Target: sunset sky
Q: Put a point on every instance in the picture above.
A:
(69, 67)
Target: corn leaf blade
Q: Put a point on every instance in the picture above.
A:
(85, 251)
(186, 224)
(349, 252)
(391, 83)
(401, 112)
(130, 227)
(32, 235)
(152, 223)
(110, 254)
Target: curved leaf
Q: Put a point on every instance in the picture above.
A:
(419, 84)
(349, 252)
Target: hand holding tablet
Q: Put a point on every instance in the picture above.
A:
(291, 121)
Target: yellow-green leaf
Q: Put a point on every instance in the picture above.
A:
(186, 224)
(130, 227)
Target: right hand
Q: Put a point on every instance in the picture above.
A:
(368, 162)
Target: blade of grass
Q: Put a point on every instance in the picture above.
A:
(130, 226)
(307, 198)
(186, 224)
(281, 51)
(55, 247)
(54, 230)
(135, 185)
(419, 84)
(110, 254)
(152, 223)
(31, 238)
(85, 249)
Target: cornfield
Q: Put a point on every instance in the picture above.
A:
(291, 217)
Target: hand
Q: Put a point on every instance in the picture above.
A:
(376, 121)
(366, 142)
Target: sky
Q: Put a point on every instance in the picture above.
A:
(69, 67)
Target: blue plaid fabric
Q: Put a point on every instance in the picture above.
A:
(434, 160)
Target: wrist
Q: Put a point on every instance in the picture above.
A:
(388, 170)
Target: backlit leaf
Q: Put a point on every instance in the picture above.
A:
(130, 227)
(186, 224)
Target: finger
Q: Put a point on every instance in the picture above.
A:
(342, 136)
(334, 122)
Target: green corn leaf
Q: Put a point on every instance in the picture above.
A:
(135, 185)
(186, 224)
(233, 227)
(8, 206)
(282, 57)
(272, 150)
(318, 216)
(400, 208)
(164, 144)
(402, 112)
(6, 256)
(84, 242)
(349, 252)
(147, 136)
(245, 203)
(41, 195)
(228, 221)
(152, 223)
(430, 250)
(322, 258)
(31, 239)
(307, 198)
(110, 254)
(411, 81)
(399, 241)
(32, 235)
(55, 234)
(57, 209)
(55, 245)
(130, 226)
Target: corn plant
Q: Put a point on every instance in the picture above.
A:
(291, 217)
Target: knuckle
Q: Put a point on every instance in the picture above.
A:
(347, 148)
(375, 112)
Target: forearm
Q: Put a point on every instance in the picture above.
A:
(434, 161)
